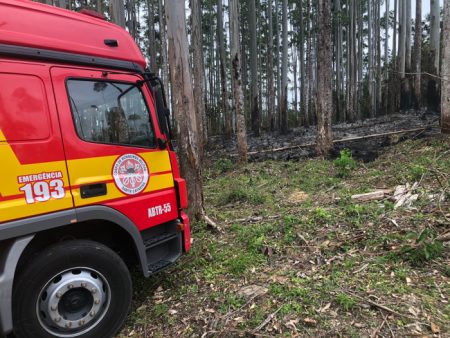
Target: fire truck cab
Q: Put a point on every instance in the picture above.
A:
(89, 181)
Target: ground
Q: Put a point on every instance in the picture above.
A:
(296, 256)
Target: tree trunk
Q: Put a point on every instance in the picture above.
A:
(256, 114)
(198, 71)
(418, 56)
(407, 81)
(402, 49)
(184, 106)
(433, 86)
(324, 81)
(284, 60)
(223, 74)
(303, 93)
(371, 59)
(270, 84)
(386, 59)
(241, 132)
(445, 95)
(151, 36)
(162, 36)
(117, 10)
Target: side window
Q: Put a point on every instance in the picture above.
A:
(24, 114)
(110, 112)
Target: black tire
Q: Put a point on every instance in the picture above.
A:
(66, 259)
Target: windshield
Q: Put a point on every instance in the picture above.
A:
(110, 112)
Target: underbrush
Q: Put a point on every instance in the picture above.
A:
(325, 265)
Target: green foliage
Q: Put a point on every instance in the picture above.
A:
(222, 165)
(425, 248)
(160, 310)
(239, 192)
(416, 172)
(345, 301)
(345, 163)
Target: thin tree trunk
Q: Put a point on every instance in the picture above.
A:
(241, 132)
(402, 50)
(324, 81)
(303, 92)
(185, 106)
(270, 84)
(198, 72)
(433, 86)
(117, 10)
(418, 56)
(284, 60)
(407, 81)
(163, 41)
(445, 95)
(223, 74)
(151, 37)
(371, 59)
(256, 113)
(386, 59)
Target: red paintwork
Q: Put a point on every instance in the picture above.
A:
(47, 146)
(136, 208)
(187, 232)
(32, 24)
(182, 192)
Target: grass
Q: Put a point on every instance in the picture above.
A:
(319, 256)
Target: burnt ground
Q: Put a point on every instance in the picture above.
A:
(297, 257)
(364, 149)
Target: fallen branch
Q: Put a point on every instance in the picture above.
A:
(379, 306)
(371, 196)
(267, 320)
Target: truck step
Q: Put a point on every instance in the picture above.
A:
(154, 241)
(159, 265)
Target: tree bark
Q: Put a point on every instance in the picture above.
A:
(198, 72)
(433, 86)
(223, 74)
(324, 81)
(418, 56)
(284, 60)
(241, 132)
(184, 106)
(162, 36)
(270, 84)
(445, 94)
(117, 10)
(256, 113)
(151, 36)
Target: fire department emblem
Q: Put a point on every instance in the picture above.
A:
(130, 174)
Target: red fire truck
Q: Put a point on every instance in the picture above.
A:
(89, 181)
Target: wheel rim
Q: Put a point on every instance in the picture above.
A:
(73, 302)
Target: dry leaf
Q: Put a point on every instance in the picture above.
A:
(434, 328)
(325, 308)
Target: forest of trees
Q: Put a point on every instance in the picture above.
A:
(383, 59)
(273, 65)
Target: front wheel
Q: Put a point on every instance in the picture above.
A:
(76, 288)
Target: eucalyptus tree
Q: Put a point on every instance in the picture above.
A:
(270, 83)
(223, 71)
(238, 93)
(284, 66)
(418, 56)
(184, 106)
(254, 100)
(445, 96)
(324, 80)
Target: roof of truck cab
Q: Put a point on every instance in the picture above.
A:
(29, 24)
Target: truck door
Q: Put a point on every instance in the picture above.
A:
(110, 139)
(33, 173)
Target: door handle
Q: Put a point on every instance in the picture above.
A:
(93, 190)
